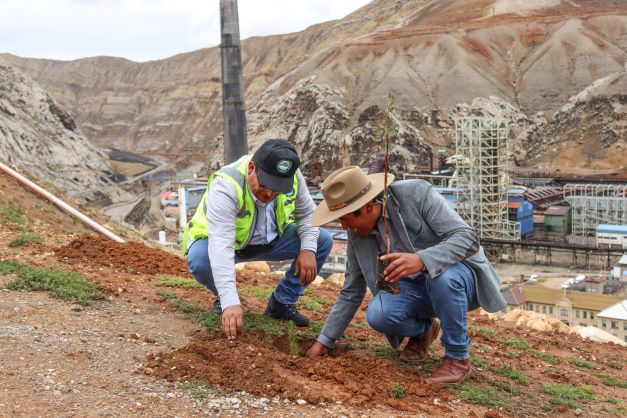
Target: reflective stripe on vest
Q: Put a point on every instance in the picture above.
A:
(237, 174)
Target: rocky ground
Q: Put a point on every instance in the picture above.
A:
(149, 347)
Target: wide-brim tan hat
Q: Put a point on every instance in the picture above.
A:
(347, 190)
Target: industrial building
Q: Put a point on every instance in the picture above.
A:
(612, 236)
(558, 219)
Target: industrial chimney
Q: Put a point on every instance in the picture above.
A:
(235, 142)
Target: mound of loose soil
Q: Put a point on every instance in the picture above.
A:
(252, 365)
(131, 256)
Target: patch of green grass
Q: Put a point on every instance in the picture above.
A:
(314, 303)
(25, 239)
(512, 374)
(262, 293)
(185, 307)
(254, 322)
(429, 364)
(309, 304)
(487, 332)
(579, 362)
(168, 294)
(168, 280)
(613, 381)
(361, 326)
(479, 362)
(209, 320)
(568, 395)
(478, 395)
(517, 342)
(398, 391)
(614, 364)
(64, 285)
(197, 389)
(504, 386)
(316, 327)
(293, 340)
(11, 214)
(549, 358)
(618, 411)
(386, 351)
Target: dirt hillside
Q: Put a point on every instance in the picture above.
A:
(145, 345)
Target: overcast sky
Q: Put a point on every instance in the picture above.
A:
(143, 30)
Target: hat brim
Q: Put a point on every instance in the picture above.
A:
(323, 215)
(277, 184)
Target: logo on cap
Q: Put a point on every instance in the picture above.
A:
(283, 166)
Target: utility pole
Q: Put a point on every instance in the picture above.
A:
(235, 142)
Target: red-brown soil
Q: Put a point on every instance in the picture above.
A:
(362, 374)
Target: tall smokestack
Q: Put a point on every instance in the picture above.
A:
(235, 142)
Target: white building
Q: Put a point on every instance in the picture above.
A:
(612, 236)
(614, 320)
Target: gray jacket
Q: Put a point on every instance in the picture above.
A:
(426, 225)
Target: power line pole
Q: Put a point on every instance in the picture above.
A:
(235, 142)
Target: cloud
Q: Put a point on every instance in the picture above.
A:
(142, 30)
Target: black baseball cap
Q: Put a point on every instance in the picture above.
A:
(276, 161)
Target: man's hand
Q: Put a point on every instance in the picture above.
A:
(232, 321)
(402, 265)
(306, 267)
(317, 350)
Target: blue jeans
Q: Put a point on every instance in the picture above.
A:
(448, 296)
(286, 247)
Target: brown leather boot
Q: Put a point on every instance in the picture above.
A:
(417, 349)
(451, 371)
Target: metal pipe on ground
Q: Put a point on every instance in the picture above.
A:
(60, 203)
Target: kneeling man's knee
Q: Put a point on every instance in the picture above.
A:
(376, 315)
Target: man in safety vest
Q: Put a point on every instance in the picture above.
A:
(257, 208)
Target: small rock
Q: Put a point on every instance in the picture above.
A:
(301, 402)
(578, 411)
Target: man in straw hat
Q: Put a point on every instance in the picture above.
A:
(434, 255)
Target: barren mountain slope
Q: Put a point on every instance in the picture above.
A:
(590, 130)
(39, 137)
(431, 55)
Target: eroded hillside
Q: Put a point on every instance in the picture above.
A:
(323, 87)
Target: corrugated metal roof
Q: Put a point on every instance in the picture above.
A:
(557, 211)
(580, 300)
(616, 229)
(617, 311)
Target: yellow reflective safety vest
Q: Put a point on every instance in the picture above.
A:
(237, 174)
